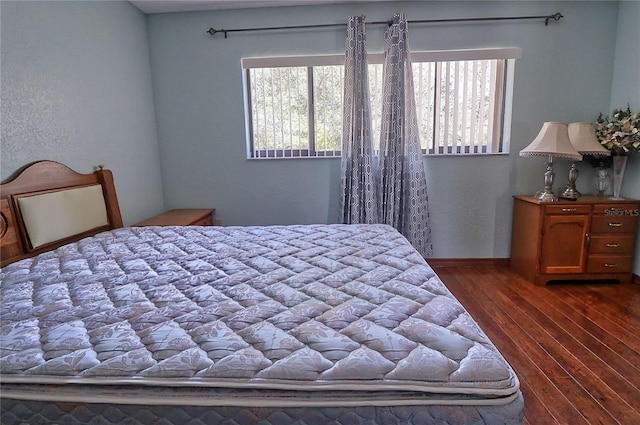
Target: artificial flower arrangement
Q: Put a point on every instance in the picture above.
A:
(620, 133)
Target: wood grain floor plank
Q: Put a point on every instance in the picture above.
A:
(619, 312)
(601, 313)
(580, 343)
(539, 404)
(610, 349)
(528, 359)
(575, 347)
(566, 371)
(627, 296)
(606, 385)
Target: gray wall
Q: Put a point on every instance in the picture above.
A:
(76, 88)
(626, 91)
(564, 75)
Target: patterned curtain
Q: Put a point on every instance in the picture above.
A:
(359, 203)
(403, 186)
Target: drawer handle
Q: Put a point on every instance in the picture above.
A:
(569, 209)
(615, 224)
(612, 245)
(610, 265)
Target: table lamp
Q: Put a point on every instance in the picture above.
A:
(583, 138)
(553, 142)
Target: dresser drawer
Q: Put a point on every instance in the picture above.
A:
(612, 244)
(612, 224)
(617, 210)
(567, 209)
(609, 264)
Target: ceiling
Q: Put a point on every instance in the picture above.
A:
(165, 6)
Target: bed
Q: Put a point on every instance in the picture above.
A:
(314, 324)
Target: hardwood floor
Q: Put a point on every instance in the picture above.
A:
(574, 346)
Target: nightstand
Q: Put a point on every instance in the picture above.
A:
(590, 238)
(181, 217)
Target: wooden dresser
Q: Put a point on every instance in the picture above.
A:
(181, 217)
(591, 238)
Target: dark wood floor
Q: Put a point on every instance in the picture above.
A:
(574, 346)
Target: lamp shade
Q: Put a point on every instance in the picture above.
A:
(583, 138)
(552, 140)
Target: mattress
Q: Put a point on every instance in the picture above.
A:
(271, 324)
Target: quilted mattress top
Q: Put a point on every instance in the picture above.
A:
(322, 307)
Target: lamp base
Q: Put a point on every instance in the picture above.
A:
(570, 193)
(546, 196)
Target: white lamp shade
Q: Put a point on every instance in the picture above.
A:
(552, 140)
(583, 138)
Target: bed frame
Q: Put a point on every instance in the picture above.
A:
(48, 177)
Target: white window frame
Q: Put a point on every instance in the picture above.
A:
(498, 142)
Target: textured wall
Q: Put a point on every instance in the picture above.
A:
(76, 88)
(626, 90)
(564, 75)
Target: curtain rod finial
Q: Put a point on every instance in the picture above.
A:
(213, 31)
(556, 17)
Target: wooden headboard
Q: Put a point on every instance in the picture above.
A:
(57, 181)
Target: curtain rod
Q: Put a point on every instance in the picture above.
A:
(547, 18)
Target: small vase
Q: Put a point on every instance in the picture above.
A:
(602, 181)
(619, 164)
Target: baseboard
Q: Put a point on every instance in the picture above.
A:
(468, 262)
(484, 262)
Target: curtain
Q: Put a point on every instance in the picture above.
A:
(358, 164)
(403, 186)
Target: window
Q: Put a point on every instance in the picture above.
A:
(463, 101)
